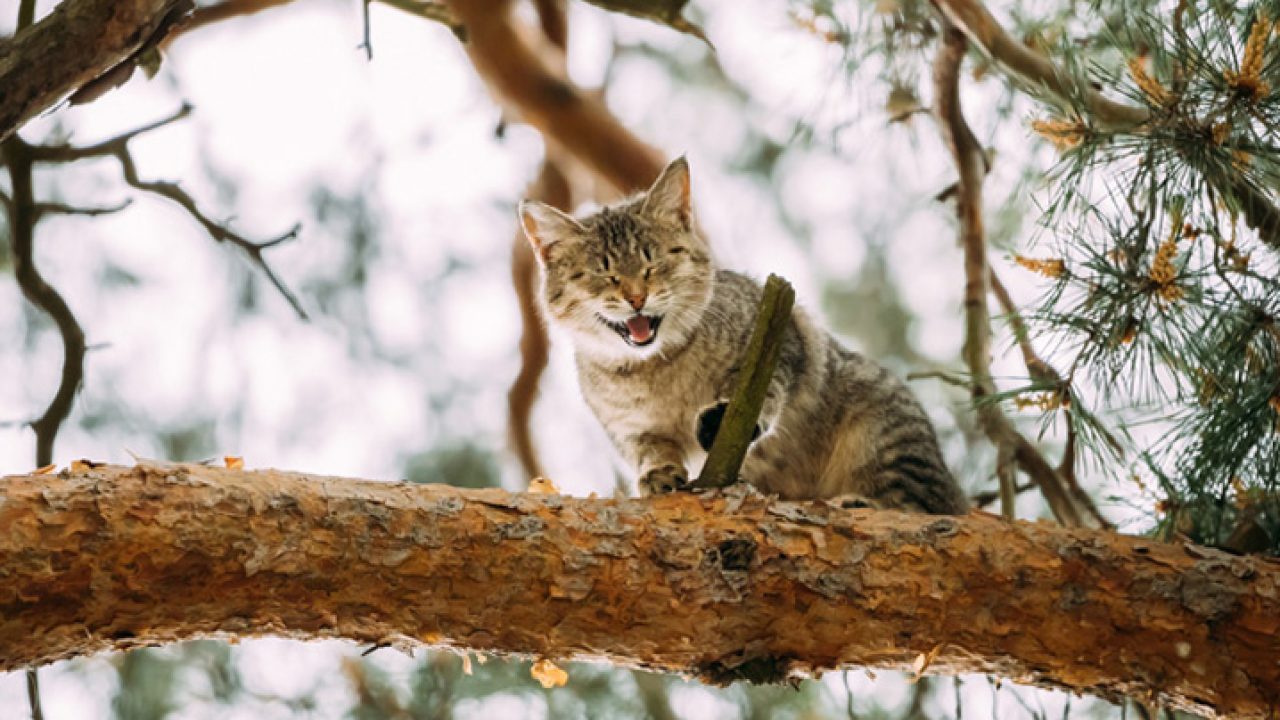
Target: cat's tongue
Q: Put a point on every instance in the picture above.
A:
(639, 328)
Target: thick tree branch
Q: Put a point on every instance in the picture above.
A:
(76, 43)
(725, 587)
(971, 164)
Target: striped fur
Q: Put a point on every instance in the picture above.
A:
(835, 424)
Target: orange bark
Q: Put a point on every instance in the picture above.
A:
(568, 117)
(722, 587)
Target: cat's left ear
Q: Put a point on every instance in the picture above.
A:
(545, 226)
(668, 199)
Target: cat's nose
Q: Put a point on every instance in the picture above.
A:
(637, 299)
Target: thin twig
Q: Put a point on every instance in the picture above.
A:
(118, 147)
(57, 208)
(1041, 371)
(970, 163)
(737, 429)
(1037, 368)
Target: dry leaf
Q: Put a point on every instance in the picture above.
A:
(80, 466)
(924, 660)
(233, 462)
(548, 674)
(543, 486)
(46, 469)
(466, 663)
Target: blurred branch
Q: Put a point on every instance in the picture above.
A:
(552, 187)
(678, 583)
(663, 12)
(57, 208)
(78, 42)
(226, 10)
(434, 11)
(541, 95)
(118, 148)
(1022, 62)
(971, 165)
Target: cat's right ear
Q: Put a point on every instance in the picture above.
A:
(545, 226)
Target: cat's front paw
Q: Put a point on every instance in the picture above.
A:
(663, 479)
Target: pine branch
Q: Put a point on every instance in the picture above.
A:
(1025, 64)
(759, 362)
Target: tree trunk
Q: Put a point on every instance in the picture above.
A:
(78, 42)
(723, 587)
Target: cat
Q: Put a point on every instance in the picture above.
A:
(658, 332)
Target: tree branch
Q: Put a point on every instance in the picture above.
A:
(568, 118)
(23, 214)
(735, 586)
(1023, 63)
(759, 362)
(118, 148)
(77, 42)
(971, 164)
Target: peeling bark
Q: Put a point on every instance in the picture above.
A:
(721, 587)
(76, 43)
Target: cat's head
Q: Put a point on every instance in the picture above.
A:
(630, 280)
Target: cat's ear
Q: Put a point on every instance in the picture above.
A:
(668, 199)
(545, 226)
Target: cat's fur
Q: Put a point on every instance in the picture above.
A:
(835, 424)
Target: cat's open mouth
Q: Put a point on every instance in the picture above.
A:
(638, 330)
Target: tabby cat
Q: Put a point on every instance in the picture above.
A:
(658, 332)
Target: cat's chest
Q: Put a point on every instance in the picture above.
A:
(664, 397)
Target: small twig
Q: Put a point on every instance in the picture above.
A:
(729, 448)
(33, 694)
(57, 208)
(367, 44)
(118, 147)
(1041, 371)
(222, 11)
(434, 11)
(944, 376)
(1037, 368)
(983, 499)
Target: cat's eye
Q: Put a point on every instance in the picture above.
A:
(604, 263)
(648, 256)
(647, 273)
(676, 250)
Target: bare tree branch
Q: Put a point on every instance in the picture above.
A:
(118, 148)
(57, 208)
(722, 587)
